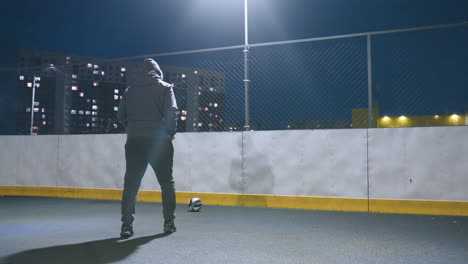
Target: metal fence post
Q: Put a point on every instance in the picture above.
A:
(369, 81)
(246, 67)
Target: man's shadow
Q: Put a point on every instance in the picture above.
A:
(92, 252)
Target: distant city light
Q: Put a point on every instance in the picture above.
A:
(95, 84)
(36, 103)
(43, 110)
(28, 109)
(74, 88)
(184, 112)
(200, 124)
(88, 113)
(94, 113)
(95, 72)
(95, 107)
(90, 65)
(74, 76)
(43, 116)
(116, 91)
(212, 89)
(81, 112)
(38, 85)
(195, 72)
(96, 66)
(38, 79)
(123, 69)
(454, 117)
(73, 112)
(216, 116)
(183, 118)
(81, 94)
(206, 109)
(94, 101)
(44, 123)
(210, 104)
(183, 76)
(68, 58)
(116, 108)
(36, 110)
(115, 125)
(402, 118)
(215, 105)
(116, 97)
(385, 118)
(436, 116)
(21, 78)
(102, 73)
(29, 84)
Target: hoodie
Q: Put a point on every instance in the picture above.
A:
(149, 105)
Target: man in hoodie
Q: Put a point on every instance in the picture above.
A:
(148, 111)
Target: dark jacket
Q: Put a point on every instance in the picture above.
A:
(149, 105)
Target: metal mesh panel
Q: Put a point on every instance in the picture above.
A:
(420, 78)
(309, 85)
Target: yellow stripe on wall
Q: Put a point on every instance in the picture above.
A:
(418, 207)
(254, 200)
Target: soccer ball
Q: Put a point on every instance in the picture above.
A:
(195, 205)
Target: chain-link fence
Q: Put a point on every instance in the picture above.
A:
(415, 77)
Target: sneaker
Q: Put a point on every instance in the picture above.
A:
(169, 226)
(127, 230)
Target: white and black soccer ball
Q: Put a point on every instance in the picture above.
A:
(195, 205)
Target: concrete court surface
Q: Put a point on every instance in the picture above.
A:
(66, 231)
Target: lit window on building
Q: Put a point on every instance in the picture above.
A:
(116, 97)
(74, 88)
(88, 112)
(120, 97)
(38, 85)
(184, 112)
(36, 103)
(74, 76)
(21, 78)
(73, 112)
(94, 101)
(116, 126)
(95, 107)
(43, 110)
(116, 108)
(36, 110)
(44, 123)
(81, 112)
(183, 118)
(96, 66)
(87, 124)
(206, 109)
(199, 93)
(95, 72)
(94, 113)
(116, 91)
(90, 65)
(81, 94)
(215, 105)
(123, 69)
(38, 79)
(28, 109)
(29, 84)
(43, 116)
(212, 89)
(68, 58)
(122, 75)
(183, 76)
(93, 119)
(200, 124)
(95, 84)
(93, 125)
(102, 73)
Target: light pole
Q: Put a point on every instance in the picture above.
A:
(32, 101)
(246, 67)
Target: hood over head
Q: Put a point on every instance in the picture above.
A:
(151, 67)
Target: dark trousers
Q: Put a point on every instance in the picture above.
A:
(159, 153)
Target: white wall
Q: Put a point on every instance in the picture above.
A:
(419, 163)
(329, 163)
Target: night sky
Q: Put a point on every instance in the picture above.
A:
(416, 73)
